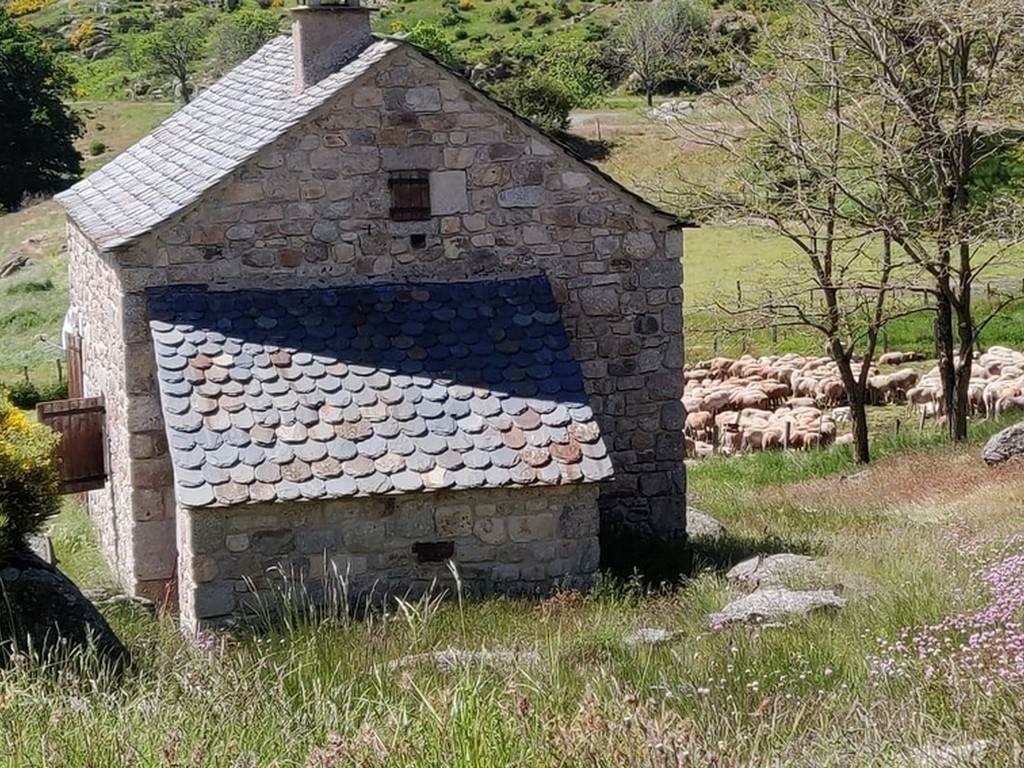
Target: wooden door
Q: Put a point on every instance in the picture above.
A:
(81, 424)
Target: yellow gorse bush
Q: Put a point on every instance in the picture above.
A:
(23, 7)
(84, 36)
(29, 475)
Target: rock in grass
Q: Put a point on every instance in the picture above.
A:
(40, 544)
(951, 755)
(45, 616)
(703, 525)
(1004, 446)
(649, 636)
(782, 570)
(775, 606)
(454, 659)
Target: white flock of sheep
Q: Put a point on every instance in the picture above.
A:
(996, 385)
(794, 402)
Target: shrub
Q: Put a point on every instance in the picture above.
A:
(21, 394)
(24, 7)
(84, 36)
(30, 286)
(97, 148)
(26, 395)
(53, 391)
(432, 39)
(29, 477)
(539, 97)
(505, 15)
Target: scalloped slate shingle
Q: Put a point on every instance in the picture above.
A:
(202, 143)
(359, 391)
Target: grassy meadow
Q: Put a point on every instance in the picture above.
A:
(925, 663)
(905, 539)
(33, 300)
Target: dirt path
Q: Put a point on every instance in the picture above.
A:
(942, 477)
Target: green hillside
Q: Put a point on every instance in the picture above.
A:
(99, 37)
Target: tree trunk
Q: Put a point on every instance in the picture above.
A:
(650, 96)
(856, 397)
(859, 420)
(946, 349)
(962, 405)
(965, 330)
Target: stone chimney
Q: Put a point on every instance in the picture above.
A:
(327, 35)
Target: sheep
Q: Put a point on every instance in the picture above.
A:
(754, 403)
(899, 358)
(699, 423)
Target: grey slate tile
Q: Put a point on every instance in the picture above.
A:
(202, 143)
(351, 412)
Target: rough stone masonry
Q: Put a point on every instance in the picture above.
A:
(309, 204)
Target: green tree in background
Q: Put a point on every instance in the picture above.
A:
(238, 35)
(541, 97)
(37, 130)
(562, 76)
(175, 49)
(432, 39)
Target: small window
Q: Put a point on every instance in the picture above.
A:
(434, 551)
(410, 196)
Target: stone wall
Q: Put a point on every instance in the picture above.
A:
(134, 513)
(313, 208)
(520, 541)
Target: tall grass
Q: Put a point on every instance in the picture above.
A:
(775, 467)
(322, 690)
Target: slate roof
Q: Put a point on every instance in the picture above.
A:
(229, 122)
(359, 391)
(198, 146)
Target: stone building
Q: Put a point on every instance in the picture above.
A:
(346, 311)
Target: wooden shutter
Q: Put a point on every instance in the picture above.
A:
(81, 424)
(410, 196)
(73, 350)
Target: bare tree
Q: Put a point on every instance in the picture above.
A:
(649, 36)
(793, 160)
(938, 81)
